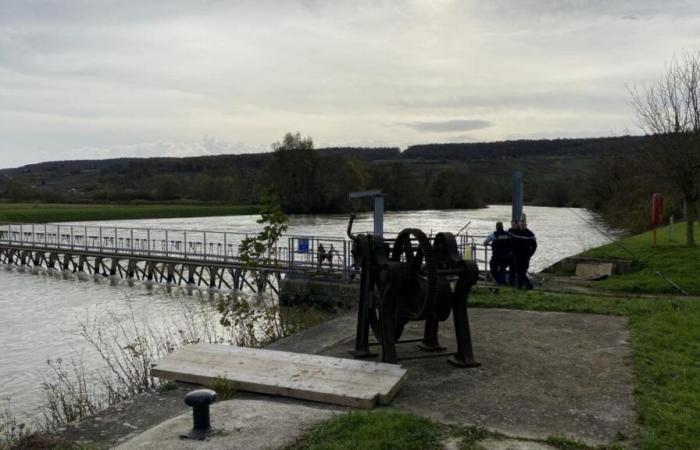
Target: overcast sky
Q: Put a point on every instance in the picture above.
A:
(97, 79)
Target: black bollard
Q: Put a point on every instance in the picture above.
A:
(199, 400)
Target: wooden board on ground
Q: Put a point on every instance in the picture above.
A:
(593, 270)
(347, 382)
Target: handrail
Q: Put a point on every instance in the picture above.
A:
(207, 245)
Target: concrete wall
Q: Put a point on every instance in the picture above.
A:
(321, 294)
(568, 265)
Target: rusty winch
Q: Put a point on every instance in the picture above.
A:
(407, 279)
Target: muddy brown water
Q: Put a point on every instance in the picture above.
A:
(41, 313)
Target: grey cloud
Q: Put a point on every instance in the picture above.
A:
(523, 97)
(448, 125)
(83, 78)
(530, 8)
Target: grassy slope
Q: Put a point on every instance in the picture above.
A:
(42, 213)
(666, 348)
(673, 259)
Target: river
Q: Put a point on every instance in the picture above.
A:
(41, 313)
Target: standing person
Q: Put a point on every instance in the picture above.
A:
(512, 270)
(524, 246)
(500, 253)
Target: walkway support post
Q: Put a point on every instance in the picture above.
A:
(377, 199)
(517, 196)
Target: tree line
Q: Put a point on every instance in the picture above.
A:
(308, 180)
(614, 176)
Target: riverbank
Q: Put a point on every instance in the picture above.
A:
(671, 260)
(663, 338)
(65, 212)
(665, 332)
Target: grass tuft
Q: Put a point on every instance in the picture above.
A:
(376, 430)
(225, 389)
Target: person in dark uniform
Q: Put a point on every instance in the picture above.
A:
(524, 246)
(511, 262)
(500, 253)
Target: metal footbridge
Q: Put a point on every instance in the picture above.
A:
(184, 257)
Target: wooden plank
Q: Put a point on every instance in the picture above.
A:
(347, 382)
(594, 270)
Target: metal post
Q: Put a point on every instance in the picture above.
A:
(148, 236)
(205, 245)
(167, 244)
(33, 240)
(100, 247)
(71, 237)
(45, 235)
(131, 242)
(185, 233)
(517, 196)
(346, 266)
(85, 236)
(21, 234)
(377, 199)
(225, 250)
(115, 240)
(378, 207)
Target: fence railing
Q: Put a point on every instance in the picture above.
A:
(294, 253)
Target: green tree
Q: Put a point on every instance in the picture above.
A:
(257, 252)
(295, 174)
(168, 188)
(403, 189)
(453, 188)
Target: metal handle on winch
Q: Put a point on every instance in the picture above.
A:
(350, 235)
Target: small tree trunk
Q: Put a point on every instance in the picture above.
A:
(690, 229)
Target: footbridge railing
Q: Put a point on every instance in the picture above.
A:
(318, 255)
(293, 253)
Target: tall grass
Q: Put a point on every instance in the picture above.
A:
(127, 347)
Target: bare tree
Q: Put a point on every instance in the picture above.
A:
(669, 109)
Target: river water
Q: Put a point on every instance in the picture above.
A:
(41, 313)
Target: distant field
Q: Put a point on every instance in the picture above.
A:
(43, 213)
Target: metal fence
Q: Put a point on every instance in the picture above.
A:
(295, 253)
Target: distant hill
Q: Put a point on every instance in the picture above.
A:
(554, 168)
(583, 147)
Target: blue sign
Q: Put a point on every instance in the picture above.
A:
(303, 246)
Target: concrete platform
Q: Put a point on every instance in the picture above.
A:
(543, 373)
(239, 424)
(326, 379)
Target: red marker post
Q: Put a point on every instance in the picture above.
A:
(657, 212)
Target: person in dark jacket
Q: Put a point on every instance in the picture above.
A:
(511, 262)
(500, 253)
(524, 245)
